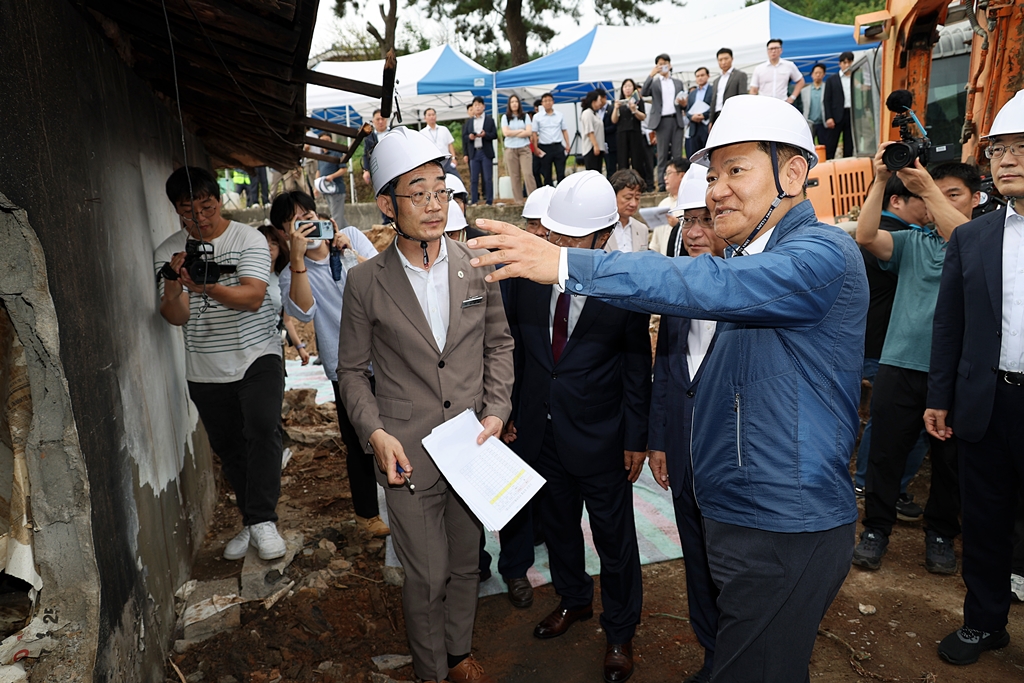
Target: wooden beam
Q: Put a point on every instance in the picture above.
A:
(326, 144)
(322, 157)
(280, 9)
(387, 96)
(346, 84)
(335, 128)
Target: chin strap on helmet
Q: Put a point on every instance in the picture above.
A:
(394, 225)
(741, 250)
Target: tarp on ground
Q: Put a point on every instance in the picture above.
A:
(614, 53)
(441, 77)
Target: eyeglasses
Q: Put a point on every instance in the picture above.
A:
(704, 221)
(997, 151)
(421, 199)
(205, 211)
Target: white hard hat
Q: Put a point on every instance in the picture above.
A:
(692, 190)
(537, 203)
(456, 219)
(400, 152)
(325, 186)
(1010, 118)
(581, 205)
(455, 184)
(752, 118)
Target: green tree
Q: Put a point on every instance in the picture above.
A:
(833, 11)
(390, 17)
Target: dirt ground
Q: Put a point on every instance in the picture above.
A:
(341, 613)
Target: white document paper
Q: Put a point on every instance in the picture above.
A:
(654, 216)
(495, 482)
(699, 107)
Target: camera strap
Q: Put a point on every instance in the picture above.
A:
(394, 225)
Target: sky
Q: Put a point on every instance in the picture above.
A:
(567, 30)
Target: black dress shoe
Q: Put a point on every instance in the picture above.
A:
(559, 621)
(618, 662)
(520, 592)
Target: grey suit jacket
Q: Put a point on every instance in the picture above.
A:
(418, 386)
(737, 85)
(653, 90)
(640, 233)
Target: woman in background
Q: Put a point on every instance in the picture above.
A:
(627, 114)
(516, 126)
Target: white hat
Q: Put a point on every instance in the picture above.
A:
(456, 219)
(581, 205)
(753, 118)
(400, 152)
(1010, 118)
(455, 184)
(325, 186)
(537, 203)
(692, 191)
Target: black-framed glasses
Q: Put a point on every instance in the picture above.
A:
(997, 151)
(703, 221)
(204, 211)
(421, 199)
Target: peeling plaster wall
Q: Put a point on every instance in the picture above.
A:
(84, 150)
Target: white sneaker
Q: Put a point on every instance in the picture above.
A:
(267, 541)
(237, 546)
(1017, 586)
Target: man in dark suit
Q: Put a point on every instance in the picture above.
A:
(666, 116)
(732, 82)
(699, 123)
(976, 387)
(478, 135)
(583, 383)
(836, 105)
(683, 344)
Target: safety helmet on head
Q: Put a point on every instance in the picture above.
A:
(1010, 118)
(456, 219)
(692, 190)
(538, 202)
(455, 184)
(751, 118)
(581, 205)
(400, 152)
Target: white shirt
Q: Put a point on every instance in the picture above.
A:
(478, 128)
(759, 243)
(623, 237)
(549, 127)
(668, 96)
(576, 302)
(722, 82)
(1011, 344)
(431, 289)
(440, 136)
(773, 79)
(845, 78)
(698, 340)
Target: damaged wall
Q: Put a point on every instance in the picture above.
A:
(85, 147)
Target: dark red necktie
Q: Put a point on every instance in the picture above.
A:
(560, 326)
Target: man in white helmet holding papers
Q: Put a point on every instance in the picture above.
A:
(775, 425)
(976, 387)
(436, 335)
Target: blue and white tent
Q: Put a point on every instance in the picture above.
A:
(614, 53)
(442, 78)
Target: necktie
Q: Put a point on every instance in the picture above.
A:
(560, 326)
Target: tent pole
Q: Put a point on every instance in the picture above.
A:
(494, 115)
(351, 170)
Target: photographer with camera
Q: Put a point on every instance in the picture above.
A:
(946, 197)
(216, 289)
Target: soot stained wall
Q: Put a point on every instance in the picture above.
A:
(84, 149)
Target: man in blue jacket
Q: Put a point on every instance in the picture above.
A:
(773, 434)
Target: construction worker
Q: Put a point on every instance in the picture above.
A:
(439, 345)
(775, 425)
(976, 388)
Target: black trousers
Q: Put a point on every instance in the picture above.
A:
(991, 473)
(701, 591)
(697, 141)
(243, 422)
(609, 500)
(843, 127)
(897, 406)
(361, 477)
(554, 155)
(632, 152)
(593, 162)
(775, 590)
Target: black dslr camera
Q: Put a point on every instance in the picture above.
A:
(902, 154)
(199, 263)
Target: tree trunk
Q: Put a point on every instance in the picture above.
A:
(387, 41)
(515, 31)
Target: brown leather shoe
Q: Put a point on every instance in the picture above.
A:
(520, 592)
(559, 621)
(618, 662)
(469, 671)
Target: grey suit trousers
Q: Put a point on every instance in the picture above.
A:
(437, 540)
(670, 146)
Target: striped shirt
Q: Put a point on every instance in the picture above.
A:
(221, 343)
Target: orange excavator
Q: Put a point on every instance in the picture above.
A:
(908, 31)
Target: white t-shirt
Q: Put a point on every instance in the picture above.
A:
(589, 123)
(439, 136)
(221, 343)
(774, 80)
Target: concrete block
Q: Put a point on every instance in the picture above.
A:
(261, 579)
(212, 620)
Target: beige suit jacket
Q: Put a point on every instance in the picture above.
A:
(640, 234)
(418, 386)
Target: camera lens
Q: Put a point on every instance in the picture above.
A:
(898, 155)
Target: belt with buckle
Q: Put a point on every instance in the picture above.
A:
(1014, 378)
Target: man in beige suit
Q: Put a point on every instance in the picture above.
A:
(629, 234)
(436, 335)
